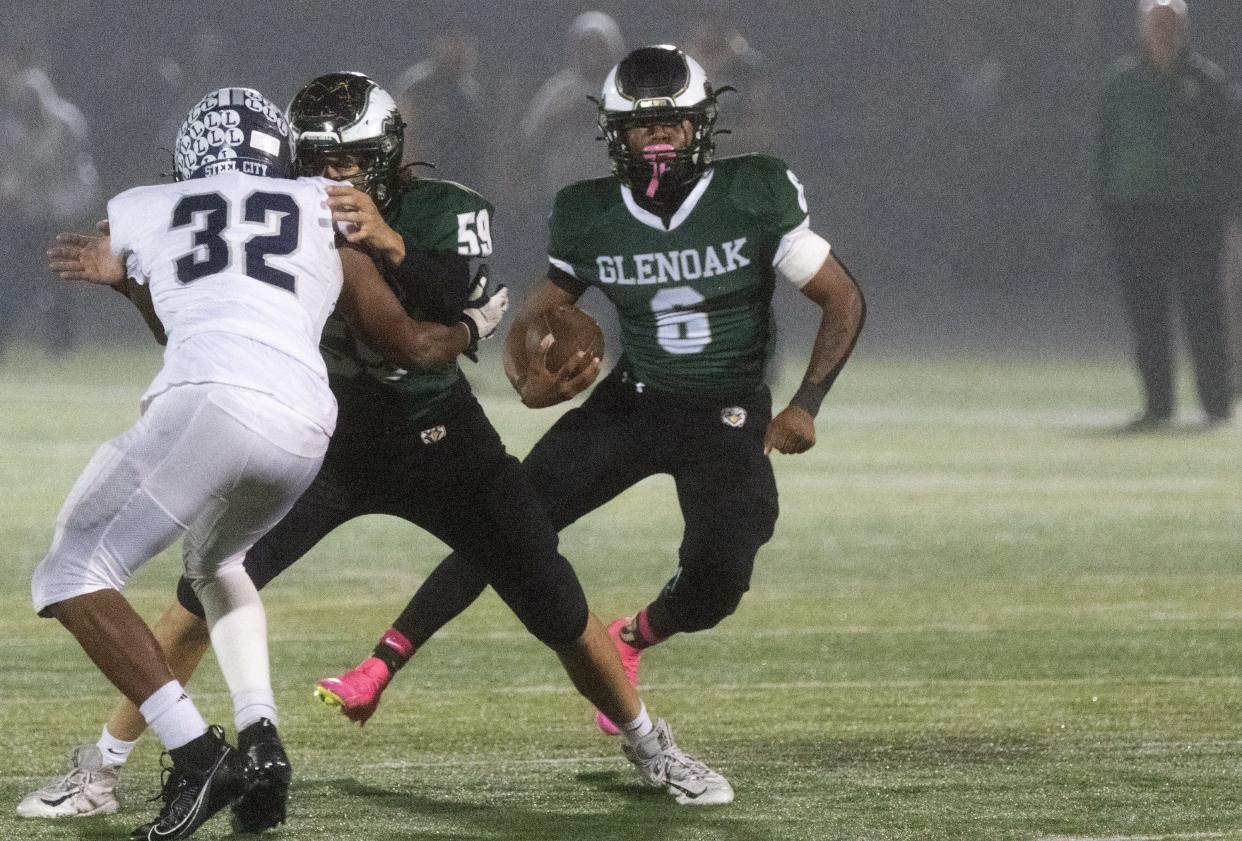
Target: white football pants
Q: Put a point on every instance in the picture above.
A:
(218, 464)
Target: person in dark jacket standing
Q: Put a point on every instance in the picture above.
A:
(1167, 173)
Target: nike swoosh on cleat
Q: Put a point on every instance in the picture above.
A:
(55, 802)
(693, 794)
(193, 813)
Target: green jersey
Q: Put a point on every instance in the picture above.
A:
(694, 297)
(430, 215)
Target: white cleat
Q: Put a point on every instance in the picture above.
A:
(85, 790)
(661, 764)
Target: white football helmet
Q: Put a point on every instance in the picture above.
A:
(651, 85)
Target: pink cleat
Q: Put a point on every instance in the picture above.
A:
(629, 661)
(357, 692)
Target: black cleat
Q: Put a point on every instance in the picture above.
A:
(267, 779)
(192, 795)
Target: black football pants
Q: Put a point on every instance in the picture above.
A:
(450, 475)
(618, 437)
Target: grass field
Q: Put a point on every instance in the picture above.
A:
(983, 616)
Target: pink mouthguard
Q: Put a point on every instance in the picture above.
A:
(658, 155)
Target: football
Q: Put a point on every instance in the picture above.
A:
(572, 330)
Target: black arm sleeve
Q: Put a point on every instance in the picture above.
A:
(435, 283)
(566, 281)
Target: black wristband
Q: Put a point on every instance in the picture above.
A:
(472, 336)
(810, 395)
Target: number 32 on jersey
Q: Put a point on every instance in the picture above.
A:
(208, 215)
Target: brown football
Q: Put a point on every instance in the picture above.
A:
(572, 329)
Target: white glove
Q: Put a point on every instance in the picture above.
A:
(486, 309)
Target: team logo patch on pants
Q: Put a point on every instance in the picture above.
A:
(434, 435)
(734, 416)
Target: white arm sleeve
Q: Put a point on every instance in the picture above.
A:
(800, 254)
(121, 239)
(563, 266)
(121, 236)
(117, 229)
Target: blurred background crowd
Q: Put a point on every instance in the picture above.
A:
(946, 148)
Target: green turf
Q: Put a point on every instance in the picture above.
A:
(983, 616)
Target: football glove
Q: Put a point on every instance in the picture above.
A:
(484, 311)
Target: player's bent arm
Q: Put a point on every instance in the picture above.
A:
(374, 312)
(843, 311)
(535, 384)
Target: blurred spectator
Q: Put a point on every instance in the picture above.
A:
(1232, 278)
(1168, 164)
(729, 60)
(445, 110)
(553, 127)
(200, 65)
(47, 183)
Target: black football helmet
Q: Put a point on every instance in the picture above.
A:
(349, 114)
(233, 129)
(653, 85)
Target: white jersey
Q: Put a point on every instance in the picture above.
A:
(243, 272)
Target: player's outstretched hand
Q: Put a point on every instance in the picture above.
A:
(361, 222)
(543, 388)
(85, 258)
(790, 432)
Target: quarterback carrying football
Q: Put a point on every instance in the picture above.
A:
(689, 250)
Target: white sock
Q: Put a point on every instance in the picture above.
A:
(115, 751)
(634, 731)
(250, 705)
(173, 716)
(239, 636)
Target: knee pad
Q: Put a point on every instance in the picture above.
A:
(189, 599)
(547, 598)
(261, 564)
(696, 601)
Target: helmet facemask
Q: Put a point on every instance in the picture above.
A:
(658, 85)
(659, 169)
(378, 162)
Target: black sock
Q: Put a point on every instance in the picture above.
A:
(394, 649)
(392, 659)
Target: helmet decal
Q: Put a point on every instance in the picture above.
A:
(233, 129)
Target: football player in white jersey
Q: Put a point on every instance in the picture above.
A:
(237, 263)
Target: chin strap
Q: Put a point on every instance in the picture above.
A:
(660, 156)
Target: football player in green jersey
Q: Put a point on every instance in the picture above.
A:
(689, 250)
(414, 444)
